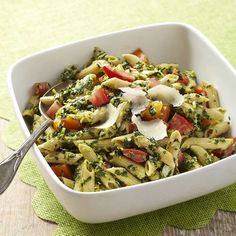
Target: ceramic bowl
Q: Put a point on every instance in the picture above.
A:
(163, 43)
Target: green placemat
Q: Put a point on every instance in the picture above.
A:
(27, 26)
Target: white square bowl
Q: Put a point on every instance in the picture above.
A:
(163, 43)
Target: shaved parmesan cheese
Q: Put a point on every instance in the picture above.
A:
(151, 129)
(166, 94)
(137, 97)
(113, 114)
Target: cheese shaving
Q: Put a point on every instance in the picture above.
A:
(166, 94)
(113, 114)
(137, 97)
(152, 129)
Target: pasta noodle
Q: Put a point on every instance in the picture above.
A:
(124, 176)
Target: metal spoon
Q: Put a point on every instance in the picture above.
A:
(10, 165)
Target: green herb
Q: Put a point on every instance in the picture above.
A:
(152, 111)
(155, 157)
(69, 73)
(121, 172)
(132, 168)
(99, 171)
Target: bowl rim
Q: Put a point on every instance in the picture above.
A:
(39, 155)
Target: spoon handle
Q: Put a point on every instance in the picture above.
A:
(9, 166)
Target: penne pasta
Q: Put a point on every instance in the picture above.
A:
(87, 152)
(151, 166)
(208, 143)
(173, 146)
(51, 145)
(211, 94)
(155, 176)
(131, 59)
(166, 171)
(96, 143)
(217, 130)
(191, 162)
(68, 182)
(106, 178)
(169, 79)
(87, 179)
(115, 83)
(124, 176)
(63, 158)
(121, 122)
(203, 156)
(134, 168)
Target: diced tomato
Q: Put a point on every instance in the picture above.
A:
(152, 82)
(224, 153)
(152, 111)
(183, 80)
(41, 88)
(230, 150)
(199, 90)
(52, 110)
(156, 110)
(135, 155)
(132, 127)
(139, 53)
(181, 124)
(180, 159)
(207, 122)
(99, 97)
(71, 123)
(217, 153)
(165, 113)
(62, 170)
(118, 74)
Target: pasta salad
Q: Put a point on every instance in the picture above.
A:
(122, 122)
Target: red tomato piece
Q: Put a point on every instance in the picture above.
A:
(41, 88)
(165, 113)
(183, 80)
(52, 110)
(118, 74)
(180, 159)
(99, 97)
(135, 155)
(230, 150)
(224, 153)
(139, 53)
(152, 82)
(217, 153)
(207, 122)
(199, 90)
(62, 170)
(181, 124)
(132, 127)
